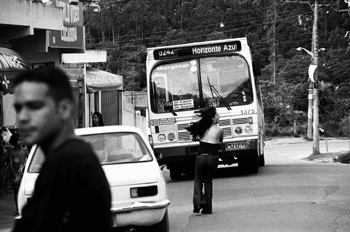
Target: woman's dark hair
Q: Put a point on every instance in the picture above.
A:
(100, 120)
(197, 129)
(13, 140)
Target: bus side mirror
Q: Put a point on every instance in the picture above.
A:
(256, 68)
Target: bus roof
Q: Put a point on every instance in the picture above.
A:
(198, 49)
(243, 41)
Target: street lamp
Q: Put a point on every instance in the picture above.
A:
(307, 51)
(310, 99)
(311, 93)
(313, 114)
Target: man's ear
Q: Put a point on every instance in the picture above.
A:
(65, 109)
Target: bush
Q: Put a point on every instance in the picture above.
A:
(343, 127)
(345, 158)
(331, 129)
(271, 130)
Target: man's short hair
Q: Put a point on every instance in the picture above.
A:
(56, 79)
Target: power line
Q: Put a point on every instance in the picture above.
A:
(207, 30)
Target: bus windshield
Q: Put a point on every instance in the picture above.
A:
(193, 84)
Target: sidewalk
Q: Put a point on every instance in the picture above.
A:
(7, 211)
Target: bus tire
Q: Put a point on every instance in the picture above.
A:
(175, 174)
(249, 164)
(262, 160)
(254, 164)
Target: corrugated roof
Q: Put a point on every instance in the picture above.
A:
(98, 80)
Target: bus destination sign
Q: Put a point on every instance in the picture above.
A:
(168, 53)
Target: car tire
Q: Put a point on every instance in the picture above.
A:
(163, 225)
(175, 174)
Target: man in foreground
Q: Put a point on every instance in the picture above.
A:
(71, 192)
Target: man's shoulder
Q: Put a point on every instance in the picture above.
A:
(74, 147)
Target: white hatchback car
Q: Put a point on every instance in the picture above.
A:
(137, 184)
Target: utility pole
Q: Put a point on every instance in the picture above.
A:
(310, 108)
(274, 44)
(316, 137)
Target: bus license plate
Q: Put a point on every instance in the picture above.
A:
(234, 146)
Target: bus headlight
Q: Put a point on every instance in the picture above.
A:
(171, 137)
(248, 129)
(238, 130)
(161, 138)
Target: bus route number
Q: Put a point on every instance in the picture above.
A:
(167, 52)
(249, 111)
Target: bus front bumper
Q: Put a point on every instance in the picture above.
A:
(233, 147)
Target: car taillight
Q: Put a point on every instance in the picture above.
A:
(143, 191)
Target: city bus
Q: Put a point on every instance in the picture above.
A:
(184, 79)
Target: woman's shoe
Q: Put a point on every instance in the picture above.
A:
(197, 208)
(205, 211)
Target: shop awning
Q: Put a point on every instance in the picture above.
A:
(11, 60)
(98, 80)
(10, 63)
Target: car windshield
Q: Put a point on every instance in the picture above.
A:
(210, 81)
(111, 148)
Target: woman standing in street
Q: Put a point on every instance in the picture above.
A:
(207, 160)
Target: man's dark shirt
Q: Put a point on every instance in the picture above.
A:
(71, 193)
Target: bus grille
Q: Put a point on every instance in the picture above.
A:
(163, 128)
(227, 131)
(236, 121)
(184, 136)
(182, 126)
(225, 122)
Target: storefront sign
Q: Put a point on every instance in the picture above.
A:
(10, 60)
(73, 34)
(70, 37)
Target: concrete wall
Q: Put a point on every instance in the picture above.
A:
(129, 118)
(28, 16)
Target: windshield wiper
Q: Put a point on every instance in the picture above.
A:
(213, 90)
(173, 112)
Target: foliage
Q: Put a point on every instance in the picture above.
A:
(274, 30)
(343, 158)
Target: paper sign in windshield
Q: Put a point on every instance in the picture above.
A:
(183, 104)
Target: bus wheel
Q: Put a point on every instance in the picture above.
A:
(175, 174)
(249, 164)
(262, 160)
(254, 164)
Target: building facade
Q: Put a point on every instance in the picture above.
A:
(39, 32)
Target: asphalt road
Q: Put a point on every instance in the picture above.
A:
(288, 194)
